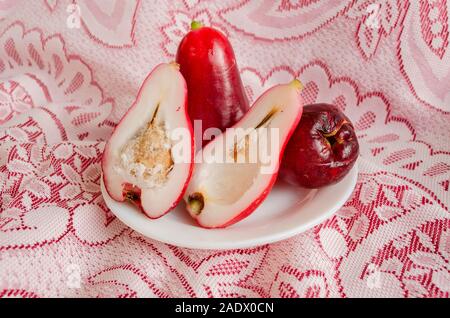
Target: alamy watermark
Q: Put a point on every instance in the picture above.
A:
(374, 16)
(73, 276)
(73, 20)
(235, 146)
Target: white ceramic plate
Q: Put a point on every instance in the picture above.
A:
(287, 211)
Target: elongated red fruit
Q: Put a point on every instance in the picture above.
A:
(148, 159)
(215, 92)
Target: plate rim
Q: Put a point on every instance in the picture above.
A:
(248, 242)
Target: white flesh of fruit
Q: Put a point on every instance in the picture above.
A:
(219, 192)
(139, 152)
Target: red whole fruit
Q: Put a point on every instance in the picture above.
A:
(322, 149)
(215, 92)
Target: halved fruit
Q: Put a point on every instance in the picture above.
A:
(149, 158)
(236, 171)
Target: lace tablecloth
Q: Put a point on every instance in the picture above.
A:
(70, 69)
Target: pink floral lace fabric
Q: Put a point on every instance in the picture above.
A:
(70, 69)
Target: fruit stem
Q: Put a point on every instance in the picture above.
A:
(296, 84)
(196, 25)
(196, 203)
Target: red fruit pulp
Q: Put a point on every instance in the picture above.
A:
(215, 92)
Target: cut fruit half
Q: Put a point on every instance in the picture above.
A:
(235, 172)
(148, 159)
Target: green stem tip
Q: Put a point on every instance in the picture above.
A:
(196, 25)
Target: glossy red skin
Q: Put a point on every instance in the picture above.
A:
(309, 160)
(129, 188)
(256, 203)
(252, 207)
(215, 91)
